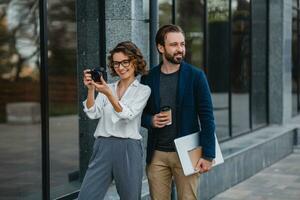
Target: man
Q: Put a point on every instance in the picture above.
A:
(184, 88)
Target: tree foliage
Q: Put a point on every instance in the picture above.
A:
(20, 41)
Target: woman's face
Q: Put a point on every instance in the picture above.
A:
(123, 66)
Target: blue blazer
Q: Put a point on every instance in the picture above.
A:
(193, 102)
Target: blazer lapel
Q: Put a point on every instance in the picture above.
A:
(156, 93)
(183, 78)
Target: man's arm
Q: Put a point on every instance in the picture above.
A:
(146, 116)
(205, 112)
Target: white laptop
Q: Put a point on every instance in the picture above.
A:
(189, 152)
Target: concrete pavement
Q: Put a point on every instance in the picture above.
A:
(280, 181)
(20, 161)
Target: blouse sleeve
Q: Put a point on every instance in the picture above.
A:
(131, 109)
(96, 111)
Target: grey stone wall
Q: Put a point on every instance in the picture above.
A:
(280, 38)
(259, 61)
(87, 19)
(245, 156)
(125, 20)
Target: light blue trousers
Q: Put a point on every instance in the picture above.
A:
(114, 159)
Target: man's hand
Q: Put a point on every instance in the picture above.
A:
(160, 120)
(203, 165)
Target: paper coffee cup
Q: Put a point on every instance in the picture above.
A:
(167, 109)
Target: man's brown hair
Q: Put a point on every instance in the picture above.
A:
(162, 32)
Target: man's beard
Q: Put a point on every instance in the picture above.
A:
(174, 60)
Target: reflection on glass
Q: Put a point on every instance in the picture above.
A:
(145, 27)
(190, 16)
(295, 62)
(295, 3)
(165, 12)
(20, 138)
(218, 62)
(240, 66)
(63, 118)
(259, 66)
(146, 9)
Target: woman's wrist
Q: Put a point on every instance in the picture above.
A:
(109, 95)
(91, 89)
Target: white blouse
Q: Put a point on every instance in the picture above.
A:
(125, 124)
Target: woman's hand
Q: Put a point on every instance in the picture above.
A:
(102, 87)
(87, 79)
(88, 82)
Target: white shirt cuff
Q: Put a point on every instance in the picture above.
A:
(125, 114)
(86, 109)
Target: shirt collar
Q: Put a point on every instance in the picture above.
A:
(135, 83)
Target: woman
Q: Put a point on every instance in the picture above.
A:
(117, 152)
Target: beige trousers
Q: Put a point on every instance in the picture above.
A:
(165, 166)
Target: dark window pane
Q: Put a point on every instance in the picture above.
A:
(218, 62)
(190, 16)
(295, 62)
(146, 9)
(240, 65)
(165, 12)
(259, 68)
(295, 3)
(20, 138)
(63, 119)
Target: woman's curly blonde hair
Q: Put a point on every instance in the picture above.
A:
(134, 54)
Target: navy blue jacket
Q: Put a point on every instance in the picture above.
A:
(193, 102)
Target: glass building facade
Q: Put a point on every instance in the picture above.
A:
(21, 98)
(220, 35)
(20, 145)
(295, 58)
(228, 39)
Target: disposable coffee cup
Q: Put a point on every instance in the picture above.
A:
(168, 110)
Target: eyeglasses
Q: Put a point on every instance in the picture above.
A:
(124, 63)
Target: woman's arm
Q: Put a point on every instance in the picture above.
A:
(104, 89)
(92, 107)
(90, 100)
(134, 107)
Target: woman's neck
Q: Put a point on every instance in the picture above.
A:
(124, 83)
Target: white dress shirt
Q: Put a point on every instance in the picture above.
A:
(125, 124)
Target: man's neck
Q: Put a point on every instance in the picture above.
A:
(169, 68)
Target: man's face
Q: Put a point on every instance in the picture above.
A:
(174, 48)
